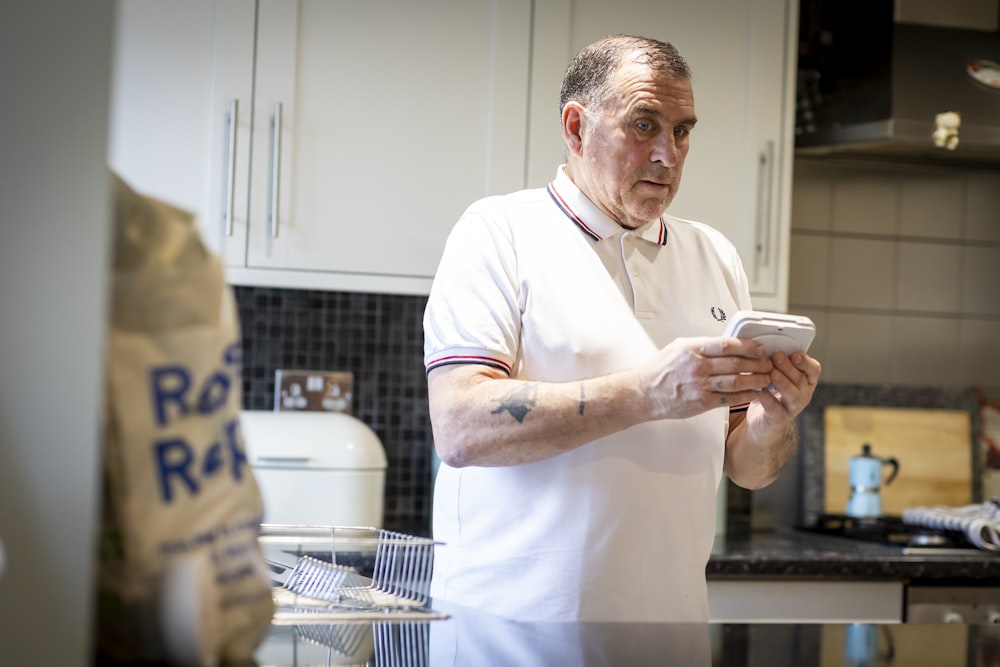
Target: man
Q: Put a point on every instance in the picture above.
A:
(583, 401)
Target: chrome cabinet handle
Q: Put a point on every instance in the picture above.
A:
(232, 119)
(765, 174)
(275, 169)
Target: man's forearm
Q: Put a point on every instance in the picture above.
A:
(498, 422)
(482, 417)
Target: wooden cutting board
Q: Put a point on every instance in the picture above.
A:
(933, 447)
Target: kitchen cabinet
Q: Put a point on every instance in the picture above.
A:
(332, 145)
(806, 576)
(737, 177)
(803, 601)
(161, 101)
(324, 144)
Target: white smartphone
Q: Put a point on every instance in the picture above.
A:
(775, 331)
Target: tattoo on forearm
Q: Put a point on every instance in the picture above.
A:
(518, 402)
(792, 434)
(583, 400)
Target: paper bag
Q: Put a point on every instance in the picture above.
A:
(182, 577)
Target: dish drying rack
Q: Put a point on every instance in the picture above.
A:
(342, 574)
(977, 523)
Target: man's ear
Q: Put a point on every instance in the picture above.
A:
(573, 120)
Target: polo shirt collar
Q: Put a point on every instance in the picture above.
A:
(594, 222)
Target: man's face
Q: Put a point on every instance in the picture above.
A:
(632, 151)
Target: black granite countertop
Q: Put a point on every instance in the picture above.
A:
(804, 554)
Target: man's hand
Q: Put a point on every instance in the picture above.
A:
(793, 382)
(692, 375)
(761, 441)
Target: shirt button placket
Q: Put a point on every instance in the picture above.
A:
(633, 261)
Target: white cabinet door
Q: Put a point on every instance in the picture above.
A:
(737, 176)
(161, 101)
(232, 121)
(770, 125)
(804, 601)
(373, 125)
(392, 117)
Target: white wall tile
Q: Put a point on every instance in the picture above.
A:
(862, 273)
(866, 201)
(858, 348)
(924, 351)
(982, 206)
(979, 351)
(929, 277)
(981, 281)
(866, 295)
(809, 270)
(931, 205)
(812, 196)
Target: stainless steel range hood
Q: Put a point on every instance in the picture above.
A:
(875, 74)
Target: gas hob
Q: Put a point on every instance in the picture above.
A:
(891, 530)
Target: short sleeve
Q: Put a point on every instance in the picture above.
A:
(473, 313)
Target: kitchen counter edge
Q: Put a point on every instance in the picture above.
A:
(807, 555)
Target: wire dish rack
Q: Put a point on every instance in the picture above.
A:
(342, 574)
(348, 596)
(378, 644)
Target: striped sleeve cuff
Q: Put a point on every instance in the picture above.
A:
(452, 359)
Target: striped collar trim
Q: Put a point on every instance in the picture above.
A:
(654, 233)
(564, 207)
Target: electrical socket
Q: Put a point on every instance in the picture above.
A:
(314, 391)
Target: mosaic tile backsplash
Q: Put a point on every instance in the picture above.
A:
(379, 338)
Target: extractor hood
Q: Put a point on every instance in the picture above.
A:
(874, 75)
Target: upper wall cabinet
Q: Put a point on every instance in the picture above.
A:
(160, 130)
(737, 177)
(333, 144)
(323, 144)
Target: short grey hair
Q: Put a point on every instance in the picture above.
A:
(588, 78)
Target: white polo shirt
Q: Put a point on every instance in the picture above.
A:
(542, 284)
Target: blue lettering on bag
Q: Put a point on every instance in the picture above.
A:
(171, 384)
(213, 393)
(233, 354)
(178, 467)
(236, 453)
(174, 459)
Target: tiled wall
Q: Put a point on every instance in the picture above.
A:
(899, 266)
(377, 337)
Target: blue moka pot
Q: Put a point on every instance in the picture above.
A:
(866, 481)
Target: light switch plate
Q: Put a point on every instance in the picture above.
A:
(313, 391)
